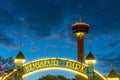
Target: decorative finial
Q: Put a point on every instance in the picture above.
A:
(111, 65)
(20, 45)
(90, 48)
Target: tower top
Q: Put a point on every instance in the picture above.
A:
(90, 59)
(90, 56)
(80, 24)
(80, 29)
(20, 57)
(113, 74)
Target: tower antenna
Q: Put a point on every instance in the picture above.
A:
(80, 13)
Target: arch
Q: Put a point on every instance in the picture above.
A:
(50, 64)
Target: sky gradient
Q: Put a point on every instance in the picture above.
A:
(43, 27)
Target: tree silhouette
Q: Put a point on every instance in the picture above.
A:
(6, 65)
(52, 77)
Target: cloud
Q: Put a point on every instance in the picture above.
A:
(102, 16)
(7, 42)
(113, 44)
(5, 17)
(53, 19)
(33, 49)
(51, 45)
(39, 18)
(106, 61)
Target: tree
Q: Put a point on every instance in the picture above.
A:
(52, 77)
(78, 77)
(6, 65)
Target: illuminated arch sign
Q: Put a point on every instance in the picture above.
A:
(54, 63)
(51, 63)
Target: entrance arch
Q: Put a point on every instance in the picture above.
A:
(50, 64)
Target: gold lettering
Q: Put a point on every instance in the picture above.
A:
(30, 66)
(70, 65)
(48, 63)
(26, 69)
(78, 67)
(41, 64)
(82, 68)
(35, 65)
(44, 64)
(55, 63)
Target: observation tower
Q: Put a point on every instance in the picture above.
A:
(80, 30)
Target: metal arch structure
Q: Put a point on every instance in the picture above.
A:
(55, 63)
(52, 63)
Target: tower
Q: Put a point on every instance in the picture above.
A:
(113, 75)
(80, 29)
(19, 60)
(90, 60)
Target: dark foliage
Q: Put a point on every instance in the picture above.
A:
(52, 77)
(6, 65)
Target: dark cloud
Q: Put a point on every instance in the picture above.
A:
(33, 49)
(113, 44)
(103, 16)
(108, 60)
(111, 58)
(44, 18)
(40, 16)
(7, 41)
(6, 18)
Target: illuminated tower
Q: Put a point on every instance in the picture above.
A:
(113, 75)
(80, 29)
(19, 60)
(90, 60)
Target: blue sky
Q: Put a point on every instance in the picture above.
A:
(44, 29)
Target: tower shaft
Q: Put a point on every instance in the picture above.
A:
(80, 46)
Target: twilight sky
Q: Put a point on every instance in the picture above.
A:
(44, 29)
